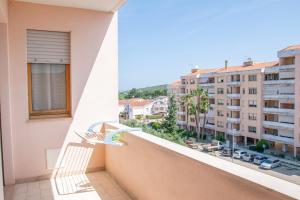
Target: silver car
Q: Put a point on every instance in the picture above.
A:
(239, 153)
(259, 159)
(270, 164)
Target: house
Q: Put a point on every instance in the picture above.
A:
(59, 99)
(142, 107)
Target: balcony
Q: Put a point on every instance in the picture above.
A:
(234, 96)
(234, 107)
(234, 83)
(210, 125)
(206, 84)
(179, 122)
(180, 113)
(279, 111)
(146, 179)
(278, 125)
(280, 139)
(233, 132)
(277, 82)
(233, 120)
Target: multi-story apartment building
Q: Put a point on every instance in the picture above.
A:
(251, 102)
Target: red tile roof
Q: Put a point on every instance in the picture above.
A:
(135, 102)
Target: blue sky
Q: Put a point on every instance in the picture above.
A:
(160, 40)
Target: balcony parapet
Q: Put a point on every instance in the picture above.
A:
(274, 138)
(278, 125)
(234, 107)
(277, 82)
(233, 120)
(233, 132)
(234, 83)
(234, 96)
(279, 111)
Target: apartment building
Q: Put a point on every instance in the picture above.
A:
(250, 102)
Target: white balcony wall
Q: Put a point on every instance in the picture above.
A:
(286, 119)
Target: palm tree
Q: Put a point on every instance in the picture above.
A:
(187, 102)
(201, 107)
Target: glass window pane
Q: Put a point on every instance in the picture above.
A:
(48, 86)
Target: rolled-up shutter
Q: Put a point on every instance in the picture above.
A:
(48, 47)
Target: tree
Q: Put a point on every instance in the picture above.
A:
(187, 101)
(169, 124)
(197, 107)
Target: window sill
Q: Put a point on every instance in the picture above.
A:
(35, 117)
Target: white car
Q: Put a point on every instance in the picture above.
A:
(270, 163)
(239, 153)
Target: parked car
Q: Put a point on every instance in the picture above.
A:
(239, 153)
(270, 163)
(248, 157)
(259, 159)
(226, 152)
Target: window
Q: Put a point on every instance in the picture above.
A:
(243, 90)
(252, 91)
(252, 129)
(220, 101)
(271, 77)
(220, 124)
(252, 103)
(220, 91)
(220, 113)
(220, 80)
(48, 73)
(251, 116)
(252, 78)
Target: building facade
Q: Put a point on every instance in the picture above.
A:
(250, 102)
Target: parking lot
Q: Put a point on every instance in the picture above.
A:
(286, 171)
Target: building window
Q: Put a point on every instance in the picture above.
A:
(271, 77)
(220, 113)
(48, 73)
(220, 101)
(252, 129)
(251, 116)
(220, 91)
(252, 78)
(252, 103)
(243, 90)
(220, 80)
(252, 91)
(220, 124)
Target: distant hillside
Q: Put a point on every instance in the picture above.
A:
(146, 93)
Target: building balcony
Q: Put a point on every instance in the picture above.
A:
(234, 96)
(280, 139)
(279, 111)
(180, 113)
(277, 82)
(234, 83)
(149, 153)
(234, 107)
(233, 132)
(179, 122)
(211, 95)
(279, 96)
(210, 125)
(233, 120)
(206, 84)
(278, 125)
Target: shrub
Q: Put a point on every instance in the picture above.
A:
(220, 138)
(153, 116)
(155, 125)
(262, 145)
(139, 117)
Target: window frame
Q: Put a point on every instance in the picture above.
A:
(49, 113)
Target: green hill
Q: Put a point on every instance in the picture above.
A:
(146, 93)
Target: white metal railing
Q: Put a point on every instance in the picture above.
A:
(236, 95)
